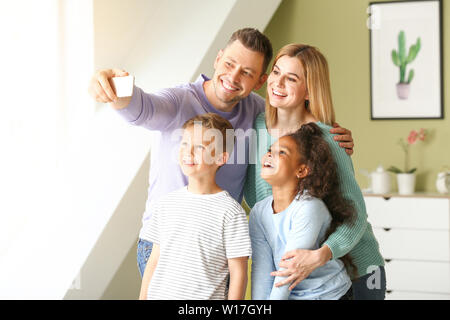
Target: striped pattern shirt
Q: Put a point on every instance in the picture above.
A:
(197, 234)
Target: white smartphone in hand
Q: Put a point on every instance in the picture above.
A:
(123, 86)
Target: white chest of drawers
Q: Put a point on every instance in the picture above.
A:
(414, 237)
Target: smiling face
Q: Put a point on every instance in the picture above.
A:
(281, 165)
(238, 71)
(197, 155)
(286, 85)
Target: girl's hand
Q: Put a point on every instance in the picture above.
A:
(345, 136)
(298, 265)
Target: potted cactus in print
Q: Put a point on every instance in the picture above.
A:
(401, 59)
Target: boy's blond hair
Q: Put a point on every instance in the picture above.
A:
(214, 121)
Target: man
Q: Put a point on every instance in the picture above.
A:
(240, 68)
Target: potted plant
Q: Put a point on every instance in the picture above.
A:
(406, 178)
(400, 58)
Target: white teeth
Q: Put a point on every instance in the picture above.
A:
(277, 93)
(228, 86)
(268, 164)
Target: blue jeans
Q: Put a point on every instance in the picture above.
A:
(348, 295)
(372, 286)
(144, 249)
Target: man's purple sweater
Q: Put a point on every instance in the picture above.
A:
(166, 111)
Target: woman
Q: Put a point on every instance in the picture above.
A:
(298, 92)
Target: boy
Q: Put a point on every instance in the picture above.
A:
(199, 232)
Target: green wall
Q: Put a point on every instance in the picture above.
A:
(338, 29)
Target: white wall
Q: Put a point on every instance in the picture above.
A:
(118, 238)
(170, 42)
(86, 221)
(40, 105)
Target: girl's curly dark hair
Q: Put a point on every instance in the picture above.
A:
(322, 180)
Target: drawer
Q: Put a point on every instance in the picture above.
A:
(413, 244)
(420, 213)
(418, 276)
(407, 295)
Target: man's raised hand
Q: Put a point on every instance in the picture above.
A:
(101, 90)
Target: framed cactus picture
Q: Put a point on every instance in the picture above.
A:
(406, 60)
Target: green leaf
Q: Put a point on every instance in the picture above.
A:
(411, 54)
(401, 46)
(395, 58)
(413, 51)
(402, 73)
(410, 75)
(412, 170)
(394, 169)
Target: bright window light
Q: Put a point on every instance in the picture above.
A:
(47, 58)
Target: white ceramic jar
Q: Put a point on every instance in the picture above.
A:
(443, 182)
(381, 181)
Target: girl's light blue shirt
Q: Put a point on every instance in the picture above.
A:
(302, 225)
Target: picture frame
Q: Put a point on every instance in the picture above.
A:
(406, 60)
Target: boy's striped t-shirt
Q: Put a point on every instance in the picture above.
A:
(197, 234)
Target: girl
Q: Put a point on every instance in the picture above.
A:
(298, 92)
(306, 206)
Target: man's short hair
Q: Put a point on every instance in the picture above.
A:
(214, 121)
(254, 40)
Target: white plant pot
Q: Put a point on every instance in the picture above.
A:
(406, 183)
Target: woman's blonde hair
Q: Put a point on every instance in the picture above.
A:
(317, 78)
